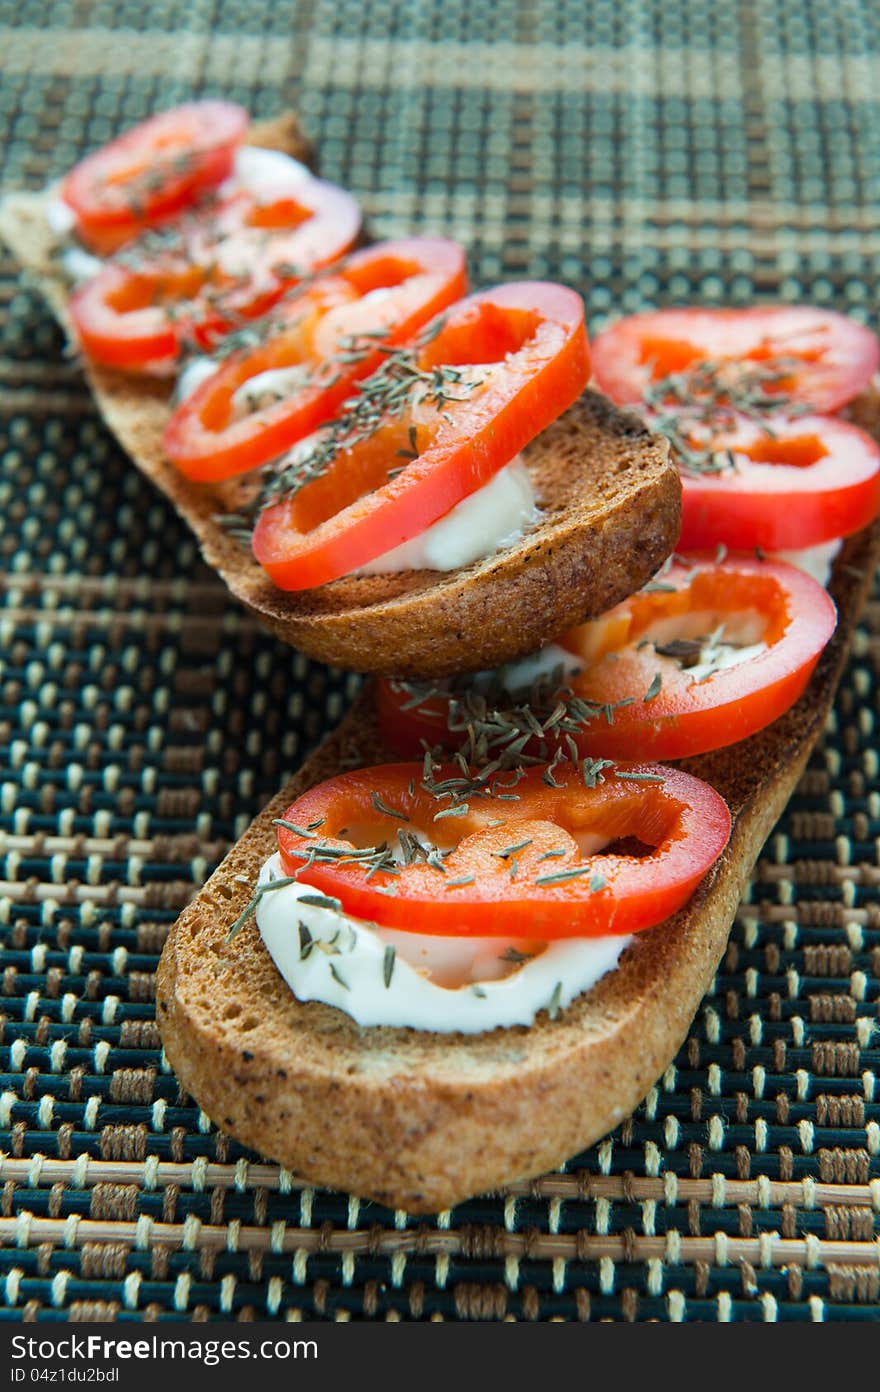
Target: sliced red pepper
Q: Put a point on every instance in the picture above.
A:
(519, 857)
(336, 331)
(801, 481)
(153, 172)
(192, 283)
(641, 652)
(498, 368)
(645, 696)
(810, 356)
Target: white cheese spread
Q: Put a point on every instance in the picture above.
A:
(815, 560)
(60, 217)
(267, 174)
(79, 265)
(265, 388)
(494, 517)
(735, 639)
(716, 656)
(196, 371)
(522, 674)
(380, 976)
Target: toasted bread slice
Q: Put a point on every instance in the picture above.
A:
(610, 514)
(864, 411)
(421, 1121)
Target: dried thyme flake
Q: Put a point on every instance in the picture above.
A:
(411, 847)
(687, 651)
(462, 880)
(371, 858)
(337, 976)
(560, 876)
(388, 961)
(512, 850)
(654, 689)
(547, 776)
(510, 954)
(554, 1002)
(385, 866)
(591, 771)
(608, 711)
(632, 777)
(321, 901)
(306, 832)
(251, 906)
(387, 811)
(478, 991)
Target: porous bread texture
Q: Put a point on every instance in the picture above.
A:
(610, 500)
(422, 1121)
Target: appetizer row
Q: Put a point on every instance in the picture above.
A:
(379, 414)
(561, 600)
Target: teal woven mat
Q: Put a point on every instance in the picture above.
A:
(645, 152)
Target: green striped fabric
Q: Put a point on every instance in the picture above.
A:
(648, 152)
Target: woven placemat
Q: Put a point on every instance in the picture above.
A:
(650, 152)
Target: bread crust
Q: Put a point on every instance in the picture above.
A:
(609, 493)
(422, 1121)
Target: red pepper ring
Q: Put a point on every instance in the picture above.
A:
(224, 264)
(671, 716)
(119, 322)
(637, 664)
(528, 346)
(813, 357)
(336, 330)
(517, 862)
(153, 171)
(801, 481)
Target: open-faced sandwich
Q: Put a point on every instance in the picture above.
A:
(393, 477)
(473, 930)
